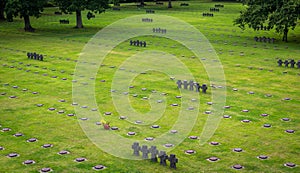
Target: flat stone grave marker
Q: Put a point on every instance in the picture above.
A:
(138, 122)
(213, 159)
(122, 117)
(226, 116)
(61, 111)
(51, 109)
(6, 130)
(11, 155)
(39, 105)
(2, 148)
(214, 143)
(193, 137)
(114, 128)
(267, 125)
(285, 119)
(99, 167)
(63, 152)
(28, 162)
(290, 131)
(149, 139)
(32, 140)
(168, 145)
(80, 159)
(262, 157)
(47, 146)
(289, 164)
(189, 151)
(264, 115)
(237, 150)
(173, 131)
(131, 133)
(246, 121)
(71, 114)
(245, 110)
(155, 126)
(237, 166)
(46, 170)
(84, 119)
(18, 134)
(107, 113)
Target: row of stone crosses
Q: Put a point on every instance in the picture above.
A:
(191, 85)
(138, 43)
(159, 30)
(214, 9)
(264, 39)
(35, 56)
(147, 20)
(208, 14)
(154, 154)
(287, 62)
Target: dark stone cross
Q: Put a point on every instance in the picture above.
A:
(179, 83)
(279, 62)
(185, 84)
(136, 149)
(204, 88)
(145, 151)
(191, 85)
(154, 153)
(163, 158)
(173, 160)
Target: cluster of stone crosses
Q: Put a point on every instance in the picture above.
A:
(138, 43)
(287, 62)
(191, 85)
(154, 154)
(35, 56)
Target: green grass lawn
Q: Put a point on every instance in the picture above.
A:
(248, 66)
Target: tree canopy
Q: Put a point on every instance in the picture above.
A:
(69, 6)
(279, 14)
(24, 9)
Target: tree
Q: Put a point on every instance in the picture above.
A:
(24, 9)
(69, 6)
(170, 4)
(2, 7)
(279, 14)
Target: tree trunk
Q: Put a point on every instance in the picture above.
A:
(2, 6)
(78, 19)
(170, 4)
(142, 3)
(28, 27)
(285, 34)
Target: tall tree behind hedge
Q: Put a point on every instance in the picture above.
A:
(279, 14)
(77, 6)
(25, 9)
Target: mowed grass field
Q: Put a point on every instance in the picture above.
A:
(248, 66)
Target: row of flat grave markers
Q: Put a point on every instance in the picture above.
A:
(35, 56)
(191, 85)
(264, 39)
(154, 154)
(159, 30)
(287, 62)
(138, 43)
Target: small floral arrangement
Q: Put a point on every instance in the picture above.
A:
(105, 124)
